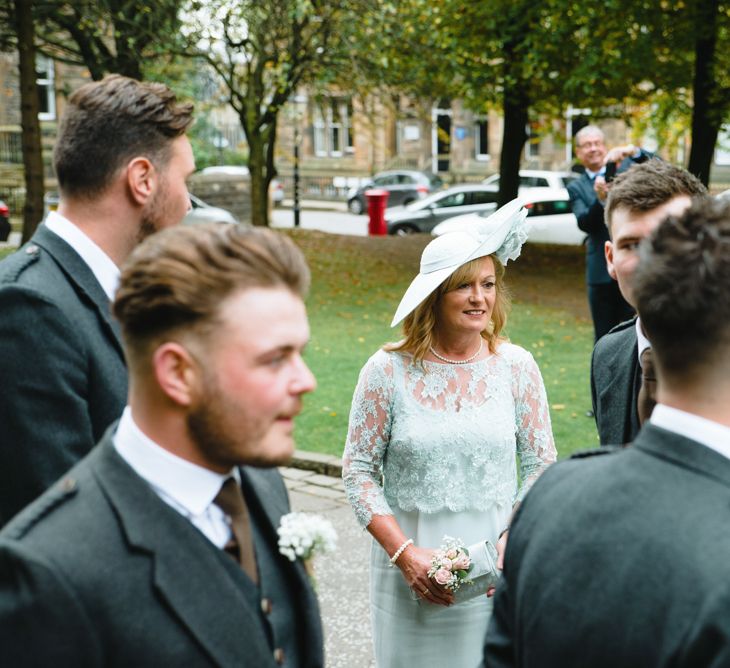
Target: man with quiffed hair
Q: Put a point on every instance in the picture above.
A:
(618, 557)
(160, 547)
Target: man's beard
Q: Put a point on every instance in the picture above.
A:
(225, 433)
(154, 214)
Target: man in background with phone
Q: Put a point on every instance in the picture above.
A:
(587, 198)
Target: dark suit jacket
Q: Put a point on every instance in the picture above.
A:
(620, 560)
(615, 383)
(62, 367)
(100, 572)
(588, 211)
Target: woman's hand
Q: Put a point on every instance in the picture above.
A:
(414, 564)
(501, 547)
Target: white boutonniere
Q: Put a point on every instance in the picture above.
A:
(303, 535)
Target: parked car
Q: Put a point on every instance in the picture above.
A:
(548, 213)
(538, 178)
(200, 211)
(226, 170)
(404, 186)
(425, 214)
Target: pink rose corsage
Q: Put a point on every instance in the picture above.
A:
(450, 564)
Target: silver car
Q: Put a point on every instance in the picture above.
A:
(403, 186)
(205, 213)
(425, 214)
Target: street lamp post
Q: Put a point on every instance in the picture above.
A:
(299, 101)
(296, 173)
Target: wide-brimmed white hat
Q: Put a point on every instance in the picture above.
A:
(502, 233)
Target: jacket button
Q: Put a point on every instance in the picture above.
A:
(266, 606)
(32, 250)
(279, 655)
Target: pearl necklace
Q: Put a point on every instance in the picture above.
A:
(466, 361)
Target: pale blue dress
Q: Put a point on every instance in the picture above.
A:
(436, 447)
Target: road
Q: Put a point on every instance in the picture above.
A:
(337, 222)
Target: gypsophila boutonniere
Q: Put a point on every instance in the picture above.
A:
(450, 564)
(302, 535)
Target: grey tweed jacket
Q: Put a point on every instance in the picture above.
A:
(615, 383)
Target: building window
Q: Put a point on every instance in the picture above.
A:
(481, 139)
(532, 147)
(333, 134)
(46, 91)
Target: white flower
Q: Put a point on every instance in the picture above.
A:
(302, 535)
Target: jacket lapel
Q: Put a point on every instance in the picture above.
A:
(266, 494)
(266, 490)
(618, 396)
(81, 278)
(214, 601)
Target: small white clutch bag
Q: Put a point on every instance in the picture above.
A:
(483, 573)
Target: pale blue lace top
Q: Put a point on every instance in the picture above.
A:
(445, 436)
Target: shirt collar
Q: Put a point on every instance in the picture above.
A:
(642, 343)
(593, 175)
(712, 434)
(190, 486)
(101, 265)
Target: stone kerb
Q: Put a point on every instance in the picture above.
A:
(317, 462)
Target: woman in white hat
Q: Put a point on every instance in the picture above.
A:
(437, 422)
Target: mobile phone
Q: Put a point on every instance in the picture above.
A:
(610, 173)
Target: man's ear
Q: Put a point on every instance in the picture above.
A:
(176, 372)
(608, 250)
(142, 179)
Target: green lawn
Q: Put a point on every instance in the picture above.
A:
(356, 285)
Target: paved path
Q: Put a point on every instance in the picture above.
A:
(342, 578)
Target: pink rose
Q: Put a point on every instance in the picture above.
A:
(442, 576)
(462, 563)
(451, 554)
(446, 564)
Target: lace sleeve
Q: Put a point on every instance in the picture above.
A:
(367, 439)
(535, 445)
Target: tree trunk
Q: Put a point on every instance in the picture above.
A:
(709, 103)
(29, 107)
(258, 150)
(514, 136)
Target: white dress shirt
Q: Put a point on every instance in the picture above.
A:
(184, 486)
(101, 265)
(642, 343)
(712, 434)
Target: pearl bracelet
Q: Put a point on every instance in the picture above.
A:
(399, 551)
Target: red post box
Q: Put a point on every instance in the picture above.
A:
(377, 201)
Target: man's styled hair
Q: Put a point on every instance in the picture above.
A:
(649, 185)
(109, 122)
(585, 131)
(174, 282)
(682, 288)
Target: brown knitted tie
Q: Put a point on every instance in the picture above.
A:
(646, 399)
(230, 500)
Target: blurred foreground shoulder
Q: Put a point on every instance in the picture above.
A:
(42, 621)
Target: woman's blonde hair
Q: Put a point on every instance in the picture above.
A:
(419, 325)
